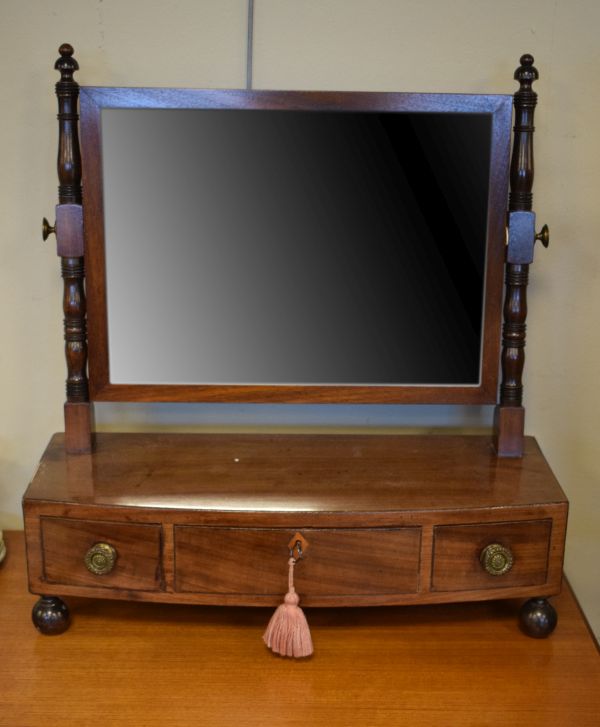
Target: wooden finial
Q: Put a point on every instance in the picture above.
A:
(69, 157)
(526, 73)
(521, 170)
(66, 64)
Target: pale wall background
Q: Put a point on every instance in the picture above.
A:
(408, 45)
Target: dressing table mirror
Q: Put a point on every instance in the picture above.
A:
(294, 247)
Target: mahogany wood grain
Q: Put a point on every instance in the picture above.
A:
(74, 309)
(92, 101)
(510, 431)
(362, 502)
(124, 664)
(68, 164)
(337, 475)
(339, 562)
(509, 424)
(69, 231)
(457, 549)
(78, 427)
(66, 541)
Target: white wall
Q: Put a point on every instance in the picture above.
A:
(466, 45)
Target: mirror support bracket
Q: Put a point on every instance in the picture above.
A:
(69, 235)
(509, 415)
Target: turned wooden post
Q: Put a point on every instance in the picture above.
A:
(509, 418)
(69, 235)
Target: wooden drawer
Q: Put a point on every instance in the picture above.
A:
(65, 543)
(338, 562)
(457, 550)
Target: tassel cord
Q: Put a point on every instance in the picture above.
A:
(288, 633)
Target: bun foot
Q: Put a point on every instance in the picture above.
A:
(538, 618)
(50, 616)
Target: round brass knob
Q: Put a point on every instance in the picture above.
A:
(496, 559)
(100, 559)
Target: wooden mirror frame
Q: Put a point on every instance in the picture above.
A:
(94, 100)
(72, 219)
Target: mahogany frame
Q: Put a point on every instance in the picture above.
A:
(93, 100)
(512, 251)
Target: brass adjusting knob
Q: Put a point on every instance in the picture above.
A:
(544, 236)
(47, 229)
(496, 559)
(100, 559)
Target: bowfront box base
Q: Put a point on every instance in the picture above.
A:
(208, 519)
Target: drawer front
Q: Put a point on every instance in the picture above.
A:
(457, 558)
(340, 562)
(65, 544)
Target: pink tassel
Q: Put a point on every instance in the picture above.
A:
(287, 633)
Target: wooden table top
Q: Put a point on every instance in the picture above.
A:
(151, 664)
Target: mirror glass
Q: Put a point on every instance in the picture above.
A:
(295, 247)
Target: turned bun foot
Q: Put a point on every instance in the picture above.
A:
(538, 618)
(50, 616)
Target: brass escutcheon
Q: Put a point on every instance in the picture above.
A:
(496, 559)
(100, 559)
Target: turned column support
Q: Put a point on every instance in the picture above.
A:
(69, 235)
(509, 416)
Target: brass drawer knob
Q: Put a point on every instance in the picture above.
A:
(496, 559)
(100, 559)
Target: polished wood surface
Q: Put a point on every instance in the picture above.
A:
(376, 511)
(69, 230)
(94, 99)
(70, 248)
(66, 541)
(78, 427)
(383, 560)
(510, 422)
(455, 568)
(288, 473)
(149, 664)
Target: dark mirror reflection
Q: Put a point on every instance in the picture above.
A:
(284, 247)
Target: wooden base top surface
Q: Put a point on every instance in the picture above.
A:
(294, 473)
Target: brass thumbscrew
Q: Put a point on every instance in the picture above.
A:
(544, 236)
(47, 229)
